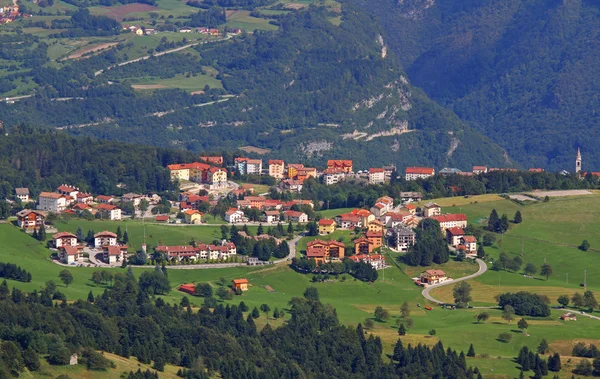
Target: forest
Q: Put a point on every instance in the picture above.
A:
(282, 100)
(524, 73)
(43, 160)
(128, 320)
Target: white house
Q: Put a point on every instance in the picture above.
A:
(52, 202)
(64, 239)
(22, 194)
(109, 212)
(69, 254)
(114, 254)
(376, 176)
(105, 238)
(414, 173)
(295, 216)
(234, 216)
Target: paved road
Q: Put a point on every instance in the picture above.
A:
(426, 295)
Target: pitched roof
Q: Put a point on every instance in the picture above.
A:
(105, 233)
(63, 234)
(187, 166)
(51, 195)
(70, 250)
(376, 170)
(373, 235)
(456, 231)
(177, 249)
(479, 168)
(162, 218)
(106, 207)
(22, 191)
(435, 272)
(469, 239)
(275, 161)
(240, 281)
(420, 170)
(450, 217)
(65, 188)
(116, 250)
(326, 222)
(293, 214)
(104, 197)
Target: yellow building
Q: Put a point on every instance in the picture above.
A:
(193, 216)
(326, 226)
(376, 226)
(276, 168)
(218, 175)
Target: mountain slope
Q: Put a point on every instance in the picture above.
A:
(525, 73)
(310, 91)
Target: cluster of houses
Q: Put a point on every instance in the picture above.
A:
(392, 225)
(70, 251)
(198, 172)
(9, 13)
(223, 251)
(69, 199)
(240, 284)
(141, 30)
(273, 211)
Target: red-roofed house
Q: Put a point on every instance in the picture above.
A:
(295, 216)
(322, 251)
(344, 165)
(454, 235)
(480, 170)
(52, 202)
(326, 226)
(109, 211)
(433, 277)
(536, 170)
(451, 220)
(376, 176)
(379, 209)
(64, 239)
(28, 219)
(105, 238)
(215, 159)
(193, 216)
(414, 173)
(363, 245)
(470, 243)
(114, 254)
(162, 218)
(348, 221)
(188, 288)
(84, 198)
(271, 217)
(104, 199)
(375, 238)
(365, 215)
(239, 284)
(70, 254)
(68, 191)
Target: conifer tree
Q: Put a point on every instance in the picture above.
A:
(471, 352)
(401, 330)
(125, 238)
(42, 232)
(119, 233)
(79, 234)
(493, 220)
(90, 297)
(518, 218)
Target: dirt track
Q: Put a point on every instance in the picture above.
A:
(561, 193)
(90, 49)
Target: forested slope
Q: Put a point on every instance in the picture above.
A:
(310, 91)
(525, 73)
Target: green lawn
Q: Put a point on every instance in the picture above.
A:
(243, 20)
(331, 213)
(191, 83)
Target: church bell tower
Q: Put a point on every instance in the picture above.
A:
(578, 162)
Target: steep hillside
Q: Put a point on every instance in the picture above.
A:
(311, 90)
(525, 73)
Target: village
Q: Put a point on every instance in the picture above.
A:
(390, 223)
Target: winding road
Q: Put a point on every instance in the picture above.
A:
(426, 295)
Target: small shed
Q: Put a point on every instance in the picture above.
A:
(73, 359)
(569, 317)
(242, 284)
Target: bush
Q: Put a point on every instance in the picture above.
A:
(96, 361)
(585, 245)
(504, 337)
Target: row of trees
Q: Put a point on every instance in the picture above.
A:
(430, 245)
(360, 270)
(14, 272)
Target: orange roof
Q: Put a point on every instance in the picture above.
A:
(376, 222)
(275, 161)
(324, 243)
(469, 239)
(450, 217)
(435, 273)
(192, 212)
(51, 195)
(456, 231)
(70, 250)
(63, 234)
(104, 197)
(339, 162)
(116, 250)
(162, 218)
(187, 166)
(65, 188)
(105, 233)
(410, 206)
(326, 222)
(376, 170)
(361, 240)
(419, 170)
(361, 212)
(240, 281)
(479, 168)
(536, 170)
(373, 235)
(106, 207)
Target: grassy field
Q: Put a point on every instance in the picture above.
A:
(243, 20)
(549, 233)
(331, 213)
(191, 83)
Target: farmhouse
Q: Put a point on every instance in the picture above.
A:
(326, 226)
(64, 239)
(28, 219)
(402, 238)
(69, 254)
(22, 194)
(414, 173)
(322, 251)
(105, 238)
(239, 284)
(433, 277)
(114, 254)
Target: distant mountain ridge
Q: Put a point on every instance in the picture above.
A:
(526, 73)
